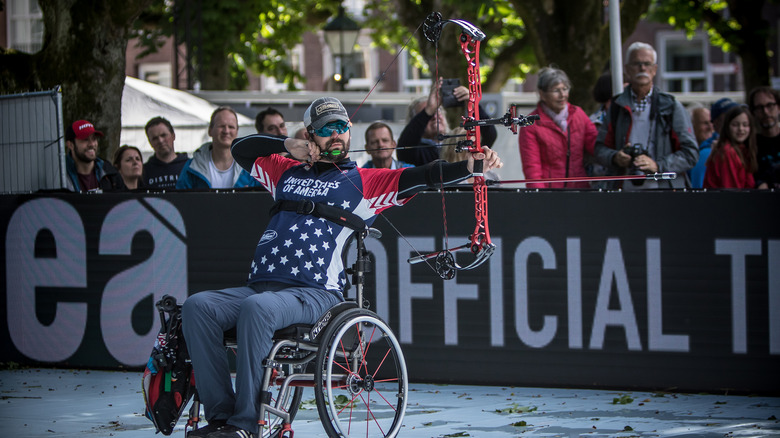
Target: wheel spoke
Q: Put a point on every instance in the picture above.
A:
(367, 345)
(348, 392)
(392, 406)
(370, 416)
(379, 366)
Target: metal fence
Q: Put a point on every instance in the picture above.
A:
(32, 145)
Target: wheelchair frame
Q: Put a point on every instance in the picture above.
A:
(360, 379)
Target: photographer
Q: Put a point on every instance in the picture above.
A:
(646, 128)
(427, 121)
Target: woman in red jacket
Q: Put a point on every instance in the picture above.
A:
(732, 160)
(556, 144)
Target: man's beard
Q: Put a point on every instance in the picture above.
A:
(331, 157)
(81, 156)
(769, 123)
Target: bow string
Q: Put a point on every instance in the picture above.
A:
(479, 242)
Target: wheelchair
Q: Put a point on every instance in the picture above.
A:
(359, 374)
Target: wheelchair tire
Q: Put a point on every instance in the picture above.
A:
(361, 384)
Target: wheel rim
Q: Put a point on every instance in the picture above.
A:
(366, 389)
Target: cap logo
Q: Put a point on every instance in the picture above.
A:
(85, 125)
(327, 106)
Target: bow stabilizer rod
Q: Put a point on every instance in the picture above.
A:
(658, 176)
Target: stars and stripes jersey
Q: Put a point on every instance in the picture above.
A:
(306, 250)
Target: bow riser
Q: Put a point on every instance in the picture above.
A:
(480, 239)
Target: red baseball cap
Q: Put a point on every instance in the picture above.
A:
(82, 129)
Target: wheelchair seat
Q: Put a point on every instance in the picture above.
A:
(299, 332)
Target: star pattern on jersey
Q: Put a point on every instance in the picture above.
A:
(304, 250)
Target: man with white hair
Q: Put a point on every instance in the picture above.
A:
(646, 130)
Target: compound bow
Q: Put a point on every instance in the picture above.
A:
(479, 242)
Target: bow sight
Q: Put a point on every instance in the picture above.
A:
(511, 120)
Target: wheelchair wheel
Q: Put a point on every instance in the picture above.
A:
(273, 423)
(361, 383)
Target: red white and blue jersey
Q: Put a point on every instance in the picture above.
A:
(306, 250)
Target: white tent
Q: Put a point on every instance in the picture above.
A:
(188, 114)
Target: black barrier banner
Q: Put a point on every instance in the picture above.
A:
(662, 290)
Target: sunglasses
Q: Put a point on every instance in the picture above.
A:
(339, 126)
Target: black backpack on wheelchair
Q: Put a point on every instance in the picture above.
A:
(168, 382)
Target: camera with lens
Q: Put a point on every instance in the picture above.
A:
(634, 151)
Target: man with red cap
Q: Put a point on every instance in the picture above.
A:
(86, 171)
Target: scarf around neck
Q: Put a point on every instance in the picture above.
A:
(559, 118)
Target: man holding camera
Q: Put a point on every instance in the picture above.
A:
(646, 130)
(419, 142)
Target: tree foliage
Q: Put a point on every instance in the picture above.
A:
(522, 36)
(230, 37)
(736, 26)
(400, 21)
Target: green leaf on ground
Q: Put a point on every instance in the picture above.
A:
(622, 400)
(517, 409)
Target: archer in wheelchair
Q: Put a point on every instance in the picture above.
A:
(292, 312)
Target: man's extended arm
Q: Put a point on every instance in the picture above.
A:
(431, 176)
(246, 150)
(411, 136)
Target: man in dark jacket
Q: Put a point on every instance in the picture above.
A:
(763, 103)
(646, 130)
(163, 168)
(86, 171)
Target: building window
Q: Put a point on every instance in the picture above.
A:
(25, 25)
(682, 63)
(156, 72)
(413, 79)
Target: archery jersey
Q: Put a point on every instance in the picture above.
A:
(305, 250)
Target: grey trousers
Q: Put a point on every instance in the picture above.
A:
(256, 312)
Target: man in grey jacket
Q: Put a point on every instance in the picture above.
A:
(646, 130)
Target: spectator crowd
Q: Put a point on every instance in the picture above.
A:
(642, 130)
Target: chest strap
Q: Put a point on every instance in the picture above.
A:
(320, 209)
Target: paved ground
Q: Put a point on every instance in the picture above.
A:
(77, 403)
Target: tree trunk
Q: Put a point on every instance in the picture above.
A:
(751, 42)
(83, 50)
(573, 36)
